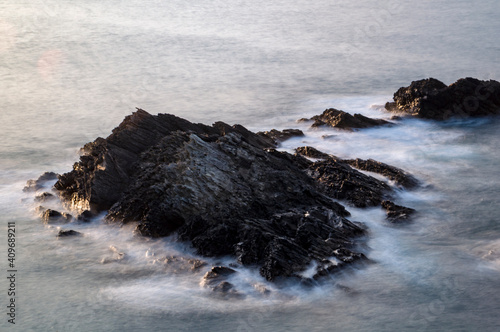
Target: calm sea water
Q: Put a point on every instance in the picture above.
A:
(71, 71)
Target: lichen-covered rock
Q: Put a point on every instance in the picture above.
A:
(432, 99)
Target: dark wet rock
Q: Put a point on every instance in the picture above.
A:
(50, 216)
(68, 233)
(216, 275)
(224, 189)
(399, 176)
(280, 136)
(343, 120)
(432, 99)
(309, 151)
(343, 182)
(397, 213)
(34, 185)
(85, 216)
(44, 197)
(226, 290)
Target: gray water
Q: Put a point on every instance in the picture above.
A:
(70, 72)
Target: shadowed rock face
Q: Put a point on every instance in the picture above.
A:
(224, 189)
(432, 99)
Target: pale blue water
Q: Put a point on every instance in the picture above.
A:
(71, 71)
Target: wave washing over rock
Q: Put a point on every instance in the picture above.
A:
(229, 192)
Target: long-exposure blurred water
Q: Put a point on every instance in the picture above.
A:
(72, 70)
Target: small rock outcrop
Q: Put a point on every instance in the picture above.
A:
(342, 181)
(34, 185)
(432, 99)
(68, 233)
(281, 135)
(343, 120)
(397, 175)
(397, 213)
(50, 216)
(44, 197)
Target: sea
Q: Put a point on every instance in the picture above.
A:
(70, 71)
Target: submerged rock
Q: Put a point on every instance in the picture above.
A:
(34, 185)
(44, 197)
(66, 233)
(117, 257)
(50, 216)
(216, 275)
(432, 99)
(224, 189)
(181, 264)
(343, 120)
(397, 213)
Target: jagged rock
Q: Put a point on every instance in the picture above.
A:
(34, 185)
(343, 182)
(224, 189)
(216, 275)
(280, 136)
(343, 120)
(432, 99)
(44, 197)
(399, 176)
(50, 216)
(309, 151)
(397, 213)
(66, 233)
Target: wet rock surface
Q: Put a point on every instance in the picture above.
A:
(50, 216)
(178, 264)
(44, 197)
(224, 189)
(281, 135)
(432, 99)
(343, 120)
(399, 176)
(397, 213)
(68, 233)
(34, 185)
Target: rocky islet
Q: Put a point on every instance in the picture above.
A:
(228, 191)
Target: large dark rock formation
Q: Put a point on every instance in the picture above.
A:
(224, 189)
(432, 99)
